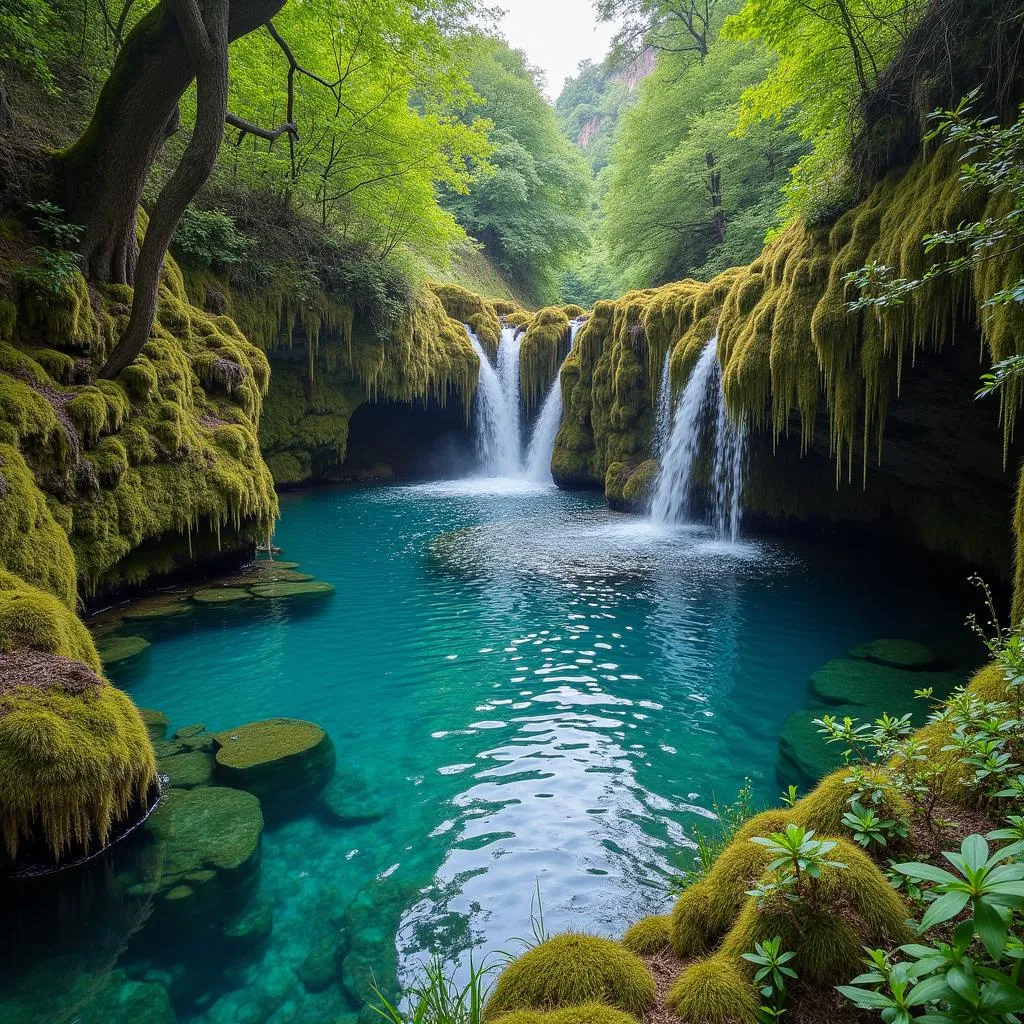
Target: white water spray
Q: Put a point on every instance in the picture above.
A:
(508, 374)
(495, 422)
(700, 416)
(663, 412)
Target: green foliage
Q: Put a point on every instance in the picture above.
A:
(973, 976)
(55, 265)
(527, 206)
(437, 999)
(798, 860)
(830, 56)
(684, 196)
(571, 969)
(772, 975)
(209, 238)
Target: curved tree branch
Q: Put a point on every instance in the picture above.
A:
(248, 128)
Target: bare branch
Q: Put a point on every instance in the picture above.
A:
(248, 128)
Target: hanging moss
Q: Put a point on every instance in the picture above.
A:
(540, 353)
(467, 308)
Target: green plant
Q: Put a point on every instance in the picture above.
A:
(56, 263)
(209, 238)
(986, 882)
(790, 797)
(797, 860)
(728, 820)
(771, 974)
(438, 999)
(868, 827)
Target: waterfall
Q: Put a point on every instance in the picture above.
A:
(663, 412)
(542, 443)
(496, 423)
(508, 375)
(700, 415)
(545, 430)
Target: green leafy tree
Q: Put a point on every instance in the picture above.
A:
(527, 208)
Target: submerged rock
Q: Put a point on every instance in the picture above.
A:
(157, 606)
(804, 756)
(905, 654)
(122, 1001)
(188, 770)
(189, 730)
(291, 589)
(277, 759)
(210, 841)
(347, 800)
(251, 928)
(221, 595)
(156, 723)
(876, 686)
(115, 649)
(319, 969)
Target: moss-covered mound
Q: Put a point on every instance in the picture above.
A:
(715, 991)
(75, 755)
(649, 935)
(588, 1013)
(278, 759)
(541, 353)
(571, 969)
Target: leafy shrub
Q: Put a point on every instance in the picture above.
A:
(209, 238)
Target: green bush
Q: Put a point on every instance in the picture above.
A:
(209, 238)
(571, 969)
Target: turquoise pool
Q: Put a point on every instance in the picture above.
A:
(533, 692)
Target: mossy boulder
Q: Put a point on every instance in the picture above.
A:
(649, 935)
(588, 1013)
(715, 991)
(210, 840)
(221, 595)
(187, 771)
(853, 907)
(187, 731)
(309, 589)
(905, 654)
(156, 723)
(115, 649)
(279, 759)
(571, 969)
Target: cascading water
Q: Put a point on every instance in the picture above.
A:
(496, 424)
(542, 443)
(508, 374)
(701, 398)
(545, 430)
(663, 422)
(497, 415)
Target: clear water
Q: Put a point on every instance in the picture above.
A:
(541, 692)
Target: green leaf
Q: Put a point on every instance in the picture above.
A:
(926, 873)
(944, 908)
(990, 927)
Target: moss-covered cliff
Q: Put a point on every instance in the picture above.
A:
(855, 419)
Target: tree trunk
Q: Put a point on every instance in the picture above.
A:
(715, 192)
(206, 39)
(103, 173)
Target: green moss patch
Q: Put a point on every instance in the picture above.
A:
(159, 606)
(210, 843)
(571, 969)
(872, 686)
(279, 758)
(905, 654)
